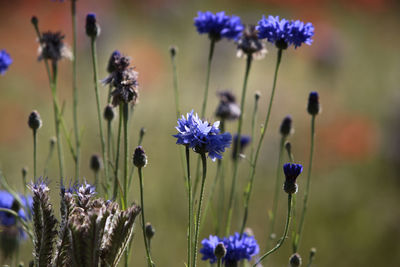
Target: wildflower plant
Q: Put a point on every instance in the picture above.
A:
(96, 222)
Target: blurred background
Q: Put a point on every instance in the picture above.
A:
(354, 63)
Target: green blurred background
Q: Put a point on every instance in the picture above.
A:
(354, 63)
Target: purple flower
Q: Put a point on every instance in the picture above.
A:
(5, 61)
(237, 248)
(283, 33)
(292, 171)
(202, 136)
(218, 25)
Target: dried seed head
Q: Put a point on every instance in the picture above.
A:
(227, 109)
(139, 157)
(34, 120)
(52, 47)
(250, 45)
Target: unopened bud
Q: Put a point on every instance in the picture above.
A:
(220, 251)
(96, 163)
(149, 230)
(313, 106)
(92, 28)
(173, 50)
(34, 120)
(139, 157)
(34, 20)
(257, 95)
(24, 171)
(286, 126)
(295, 260)
(109, 113)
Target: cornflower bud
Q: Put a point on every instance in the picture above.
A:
(96, 163)
(139, 157)
(92, 28)
(109, 113)
(220, 250)
(313, 106)
(34, 121)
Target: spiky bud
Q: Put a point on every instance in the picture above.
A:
(150, 231)
(313, 106)
(109, 113)
(96, 163)
(139, 157)
(34, 120)
(92, 27)
(220, 250)
(295, 260)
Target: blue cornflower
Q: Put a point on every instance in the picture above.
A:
(237, 248)
(218, 25)
(5, 61)
(201, 136)
(292, 171)
(243, 143)
(7, 201)
(283, 33)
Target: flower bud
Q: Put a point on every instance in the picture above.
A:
(313, 106)
(295, 260)
(139, 157)
(109, 113)
(92, 28)
(149, 230)
(173, 50)
(34, 20)
(313, 251)
(24, 171)
(34, 121)
(53, 141)
(257, 95)
(220, 251)
(286, 126)
(292, 171)
(96, 163)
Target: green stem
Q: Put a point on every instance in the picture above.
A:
(116, 166)
(204, 107)
(109, 153)
(149, 260)
(57, 118)
(236, 156)
(196, 233)
(253, 127)
(277, 186)
(190, 215)
(306, 192)
(282, 240)
(75, 91)
(125, 115)
(99, 115)
(254, 163)
(34, 154)
(175, 84)
(219, 262)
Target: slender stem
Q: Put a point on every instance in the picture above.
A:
(307, 191)
(75, 90)
(253, 127)
(57, 118)
(116, 166)
(219, 262)
(277, 186)
(204, 107)
(49, 156)
(175, 84)
(236, 156)
(34, 154)
(125, 115)
(96, 179)
(196, 233)
(254, 163)
(190, 213)
(149, 260)
(99, 115)
(109, 153)
(282, 240)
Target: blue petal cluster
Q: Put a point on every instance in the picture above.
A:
(218, 25)
(201, 136)
(6, 201)
(277, 30)
(5, 61)
(237, 248)
(292, 171)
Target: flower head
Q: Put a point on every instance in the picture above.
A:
(227, 109)
(52, 47)
(250, 44)
(5, 61)
(283, 33)
(202, 136)
(243, 143)
(237, 248)
(218, 25)
(124, 80)
(292, 171)
(7, 201)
